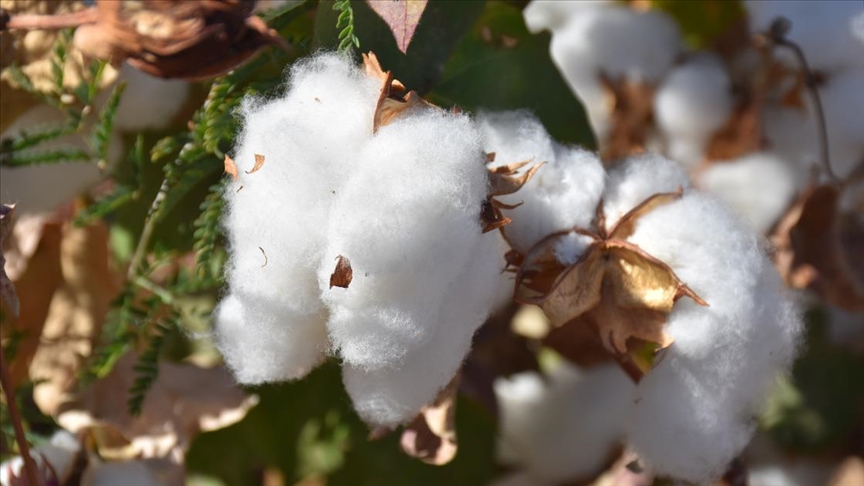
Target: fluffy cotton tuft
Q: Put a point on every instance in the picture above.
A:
(693, 412)
(562, 194)
(608, 39)
(273, 325)
(830, 32)
(694, 101)
(758, 186)
(564, 426)
(694, 409)
(402, 205)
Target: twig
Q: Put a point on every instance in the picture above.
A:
(46, 22)
(20, 439)
(777, 33)
(147, 232)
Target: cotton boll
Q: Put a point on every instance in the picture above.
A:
(396, 394)
(758, 186)
(829, 31)
(640, 178)
(562, 194)
(694, 101)
(148, 102)
(276, 215)
(408, 220)
(695, 408)
(618, 42)
(563, 428)
(553, 14)
(263, 341)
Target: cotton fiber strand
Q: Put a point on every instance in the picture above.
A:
(562, 194)
(563, 426)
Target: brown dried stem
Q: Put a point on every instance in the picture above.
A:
(777, 33)
(46, 22)
(20, 439)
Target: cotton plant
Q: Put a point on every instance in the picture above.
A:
(354, 227)
(663, 267)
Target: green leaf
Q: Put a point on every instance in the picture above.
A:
(501, 66)
(102, 131)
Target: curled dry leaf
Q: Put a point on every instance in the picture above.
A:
(183, 401)
(259, 162)
(402, 16)
(393, 101)
(343, 274)
(502, 181)
(176, 38)
(7, 289)
(230, 167)
(632, 116)
(618, 289)
(431, 436)
(818, 244)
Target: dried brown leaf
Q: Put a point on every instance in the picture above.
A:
(343, 274)
(259, 162)
(76, 314)
(402, 16)
(819, 245)
(502, 183)
(230, 167)
(431, 436)
(183, 401)
(631, 119)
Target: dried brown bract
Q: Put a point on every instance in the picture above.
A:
(617, 288)
(632, 117)
(343, 274)
(394, 100)
(431, 436)
(503, 181)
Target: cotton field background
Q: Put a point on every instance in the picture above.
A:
(411, 242)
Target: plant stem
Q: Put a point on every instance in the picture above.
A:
(147, 232)
(20, 438)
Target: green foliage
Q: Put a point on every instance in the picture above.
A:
(207, 232)
(147, 367)
(345, 21)
(102, 130)
(704, 21)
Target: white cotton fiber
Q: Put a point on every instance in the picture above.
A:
(759, 186)
(273, 327)
(552, 15)
(148, 102)
(59, 453)
(694, 101)
(695, 409)
(637, 180)
(614, 40)
(830, 32)
(562, 427)
(409, 223)
(562, 194)
(396, 394)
